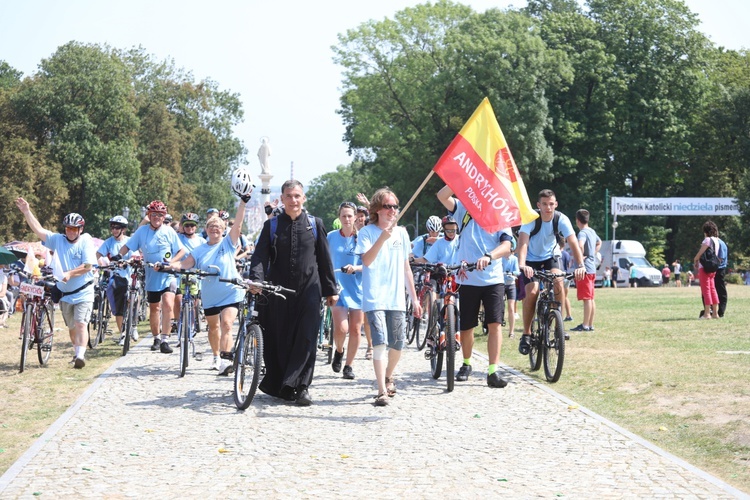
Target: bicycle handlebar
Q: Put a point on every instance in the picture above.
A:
(549, 276)
(465, 266)
(157, 266)
(263, 285)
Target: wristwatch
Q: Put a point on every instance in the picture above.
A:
(488, 256)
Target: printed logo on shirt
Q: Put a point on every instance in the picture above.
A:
(168, 255)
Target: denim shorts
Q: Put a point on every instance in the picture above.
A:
(390, 323)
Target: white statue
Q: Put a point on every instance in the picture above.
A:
(264, 152)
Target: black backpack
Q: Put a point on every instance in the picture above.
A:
(709, 260)
(538, 224)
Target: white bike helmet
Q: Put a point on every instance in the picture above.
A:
(73, 220)
(242, 183)
(119, 220)
(434, 224)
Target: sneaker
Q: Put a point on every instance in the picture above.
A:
(156, 345)
(174, 327)
(580, 328)
(524, 346)
(226, 370)
(122, 339)
(79, 363)
(516, 316)
(164, 347)
(336, 363)
(463, 373)
(569, 318)
(216, 363)
(134, 335)
(494, 380)
(348, 372)
(381, 400)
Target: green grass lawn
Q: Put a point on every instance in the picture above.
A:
(652, 367)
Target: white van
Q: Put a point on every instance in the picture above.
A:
(627, 253)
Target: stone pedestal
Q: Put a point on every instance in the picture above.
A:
(265, 189)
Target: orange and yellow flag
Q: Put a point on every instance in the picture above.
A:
(480, 169)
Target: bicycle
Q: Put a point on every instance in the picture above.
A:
(247, 353)
(547, 332)
(38, 321)
(186, 323)
(426, 295)
(102, 313)
(325, 332)
(134, 301)
(443, 339)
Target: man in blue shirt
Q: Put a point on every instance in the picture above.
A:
(77, 256)
(721, 285)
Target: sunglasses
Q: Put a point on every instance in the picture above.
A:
(189, 225)
(388, 206)
(116, 227)
(348, 204)
(449, 230)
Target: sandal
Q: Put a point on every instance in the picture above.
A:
(390, 387)
(368, 353)
(381, 400)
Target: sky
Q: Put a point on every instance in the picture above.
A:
(276, 54)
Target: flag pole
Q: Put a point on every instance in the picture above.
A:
(414, 196)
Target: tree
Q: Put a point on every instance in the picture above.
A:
(327, 192)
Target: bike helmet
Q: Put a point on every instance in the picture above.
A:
(190, 217)
(168, 218)
(119, 220)
(513, 243)
(73, 220)
(448, 220)
(224, 215)
(211, 211)
(157, 207)
(363, 210)
(242, 183)
(433, 223)
(336, 223)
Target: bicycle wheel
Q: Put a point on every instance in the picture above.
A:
(328, 333)
(554, 346)
(96, 320)
(535, 354)
(249, 361)
(436, 361)
(450, 345)
(26, 330)
(104, 323)
(44, 335)
(428, 318)
(129, 321)
(410, 319)
(186, 322)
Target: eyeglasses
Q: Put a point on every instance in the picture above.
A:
(157, 214)
(388, 206)
(449, 230)
(348, 204)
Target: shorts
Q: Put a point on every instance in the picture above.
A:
(76, 313)
(545, 265)
(510, 292)
(4, 305)
(665, 280)
(387, 327)
(585, 287)
(213, 311)
(490, 296)
(155, 297)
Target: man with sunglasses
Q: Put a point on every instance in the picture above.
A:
(444, 249)
(158, 243)
(117, 288)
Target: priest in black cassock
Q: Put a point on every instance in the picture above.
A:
(295, 257)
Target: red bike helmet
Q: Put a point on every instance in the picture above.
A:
(157, 206)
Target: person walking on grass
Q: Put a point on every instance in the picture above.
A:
(708, 286)
(589, 244)
(77, 256)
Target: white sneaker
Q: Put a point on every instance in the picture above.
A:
(134, 335)
(515, 315)
(216, 363)
(122, 339)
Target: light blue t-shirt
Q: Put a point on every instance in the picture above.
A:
(383, 282)
(216, 293)
(71, 256)
(443, 252)
(474, 242)
(722, 254)
(510, 269)
(191, 244)
(589, 238)
(156, 246)
(420, 246)
(111, 247)
(342, 250)
(543, 244)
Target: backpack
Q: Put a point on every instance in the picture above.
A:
(538, 224)
(275, 223)
(709, 260)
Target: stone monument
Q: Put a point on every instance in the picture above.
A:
(264, 153)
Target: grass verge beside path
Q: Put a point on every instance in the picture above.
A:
(36, 398)
(653, 368)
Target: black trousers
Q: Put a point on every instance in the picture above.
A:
(721, 290)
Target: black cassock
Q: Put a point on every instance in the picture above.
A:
(303, 263)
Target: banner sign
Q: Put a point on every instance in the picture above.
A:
(480, 170)
(674, 206)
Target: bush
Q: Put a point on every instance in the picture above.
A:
(733, 278)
